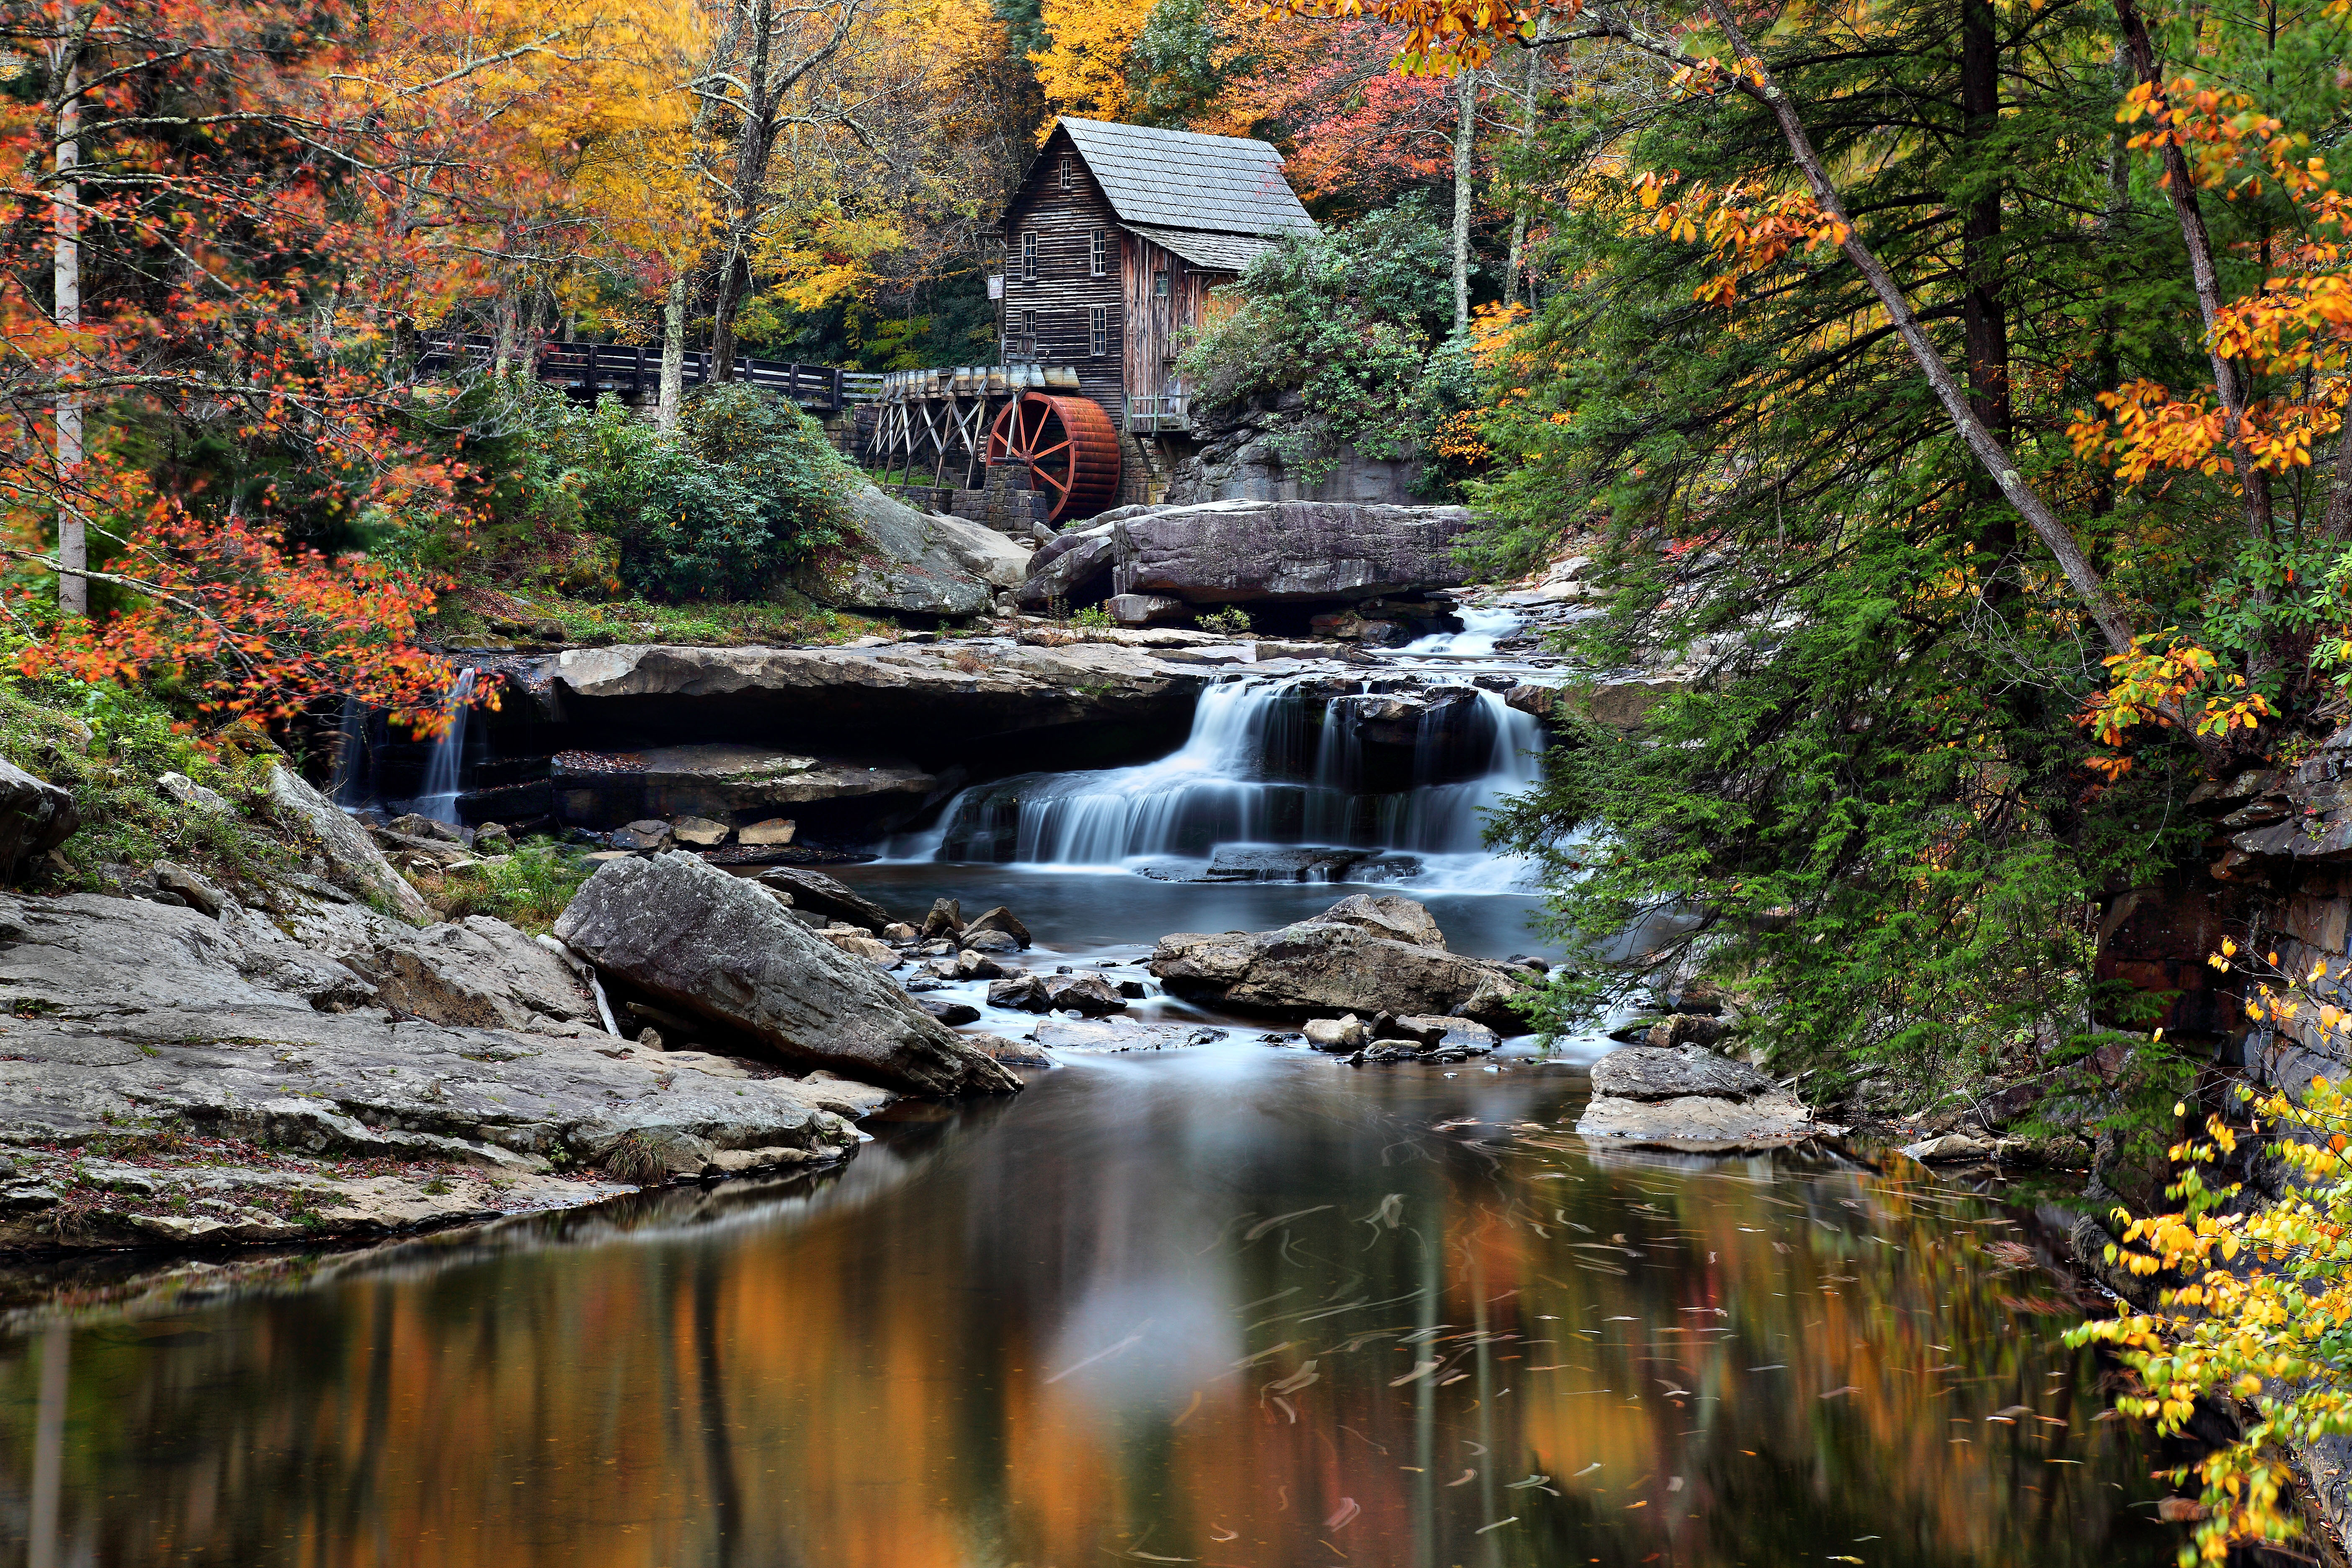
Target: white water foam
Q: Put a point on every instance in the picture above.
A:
(1481, 631)
(1245, 777)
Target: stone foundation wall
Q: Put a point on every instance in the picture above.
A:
(1005, 503)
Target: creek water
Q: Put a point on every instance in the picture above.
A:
(1236, 1304)
(1233, 1305)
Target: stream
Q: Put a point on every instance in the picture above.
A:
(1239, 1304)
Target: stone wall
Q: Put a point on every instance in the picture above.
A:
(1005, 503)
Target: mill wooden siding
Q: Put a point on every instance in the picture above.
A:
(1065, 294)
(1155, 325)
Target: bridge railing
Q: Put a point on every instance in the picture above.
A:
(634, 371)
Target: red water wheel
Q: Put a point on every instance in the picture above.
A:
(1069, 445)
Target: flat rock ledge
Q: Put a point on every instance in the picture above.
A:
(319, 1072)
(1692, 1102)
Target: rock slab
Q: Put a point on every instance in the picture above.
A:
(713, 945)
(1251, 551)
(1692, 1102)
(1363, 955)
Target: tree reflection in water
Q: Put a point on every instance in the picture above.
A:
(1229, 1306)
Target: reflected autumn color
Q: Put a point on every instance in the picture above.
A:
(1231, 1306)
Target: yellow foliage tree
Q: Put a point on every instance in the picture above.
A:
(1084, 69)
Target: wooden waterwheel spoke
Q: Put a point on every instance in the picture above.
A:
(1061, 446)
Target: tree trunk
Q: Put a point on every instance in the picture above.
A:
(754, 141)
(1465, 130)
(673, 369)
(2115, 626)
(1985, 324)
(1527, 141)
(73, 540)
(2180, 189)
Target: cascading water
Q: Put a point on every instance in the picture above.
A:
(438, 799)
(1481, 631)
(1274, 762)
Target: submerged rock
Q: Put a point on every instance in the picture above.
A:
(1109, 1036)
(710, 944)
(1693, 1102)
(1364, 955)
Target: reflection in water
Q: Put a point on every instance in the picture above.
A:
(1229, 1306)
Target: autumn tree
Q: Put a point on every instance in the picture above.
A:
(255, 217)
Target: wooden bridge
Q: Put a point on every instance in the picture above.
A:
(633, 373)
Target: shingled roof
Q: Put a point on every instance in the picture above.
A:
(1182, 180)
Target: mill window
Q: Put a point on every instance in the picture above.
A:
(1068, 179)
(1029, 333)
(1160, 283)
(1098, 330)
(1098, 252)
(1029, 257)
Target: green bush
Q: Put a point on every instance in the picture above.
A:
(594, 501)
(1344, 333)
(528, 889)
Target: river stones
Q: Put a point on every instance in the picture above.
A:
(707, 943)
(1693, 1101)
(1343, 1034)
(1001, 921)
(1089, 994)
(1363, 955)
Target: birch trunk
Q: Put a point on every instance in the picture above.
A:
(1466, 128)
(673, 371)
(1526, 140)
(73, 539)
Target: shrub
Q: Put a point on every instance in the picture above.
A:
(2264, 1319)
(1344, 332)
(1232, 621)
(597, 499)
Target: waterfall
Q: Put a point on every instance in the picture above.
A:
(1481, 631)
(350, 786)
(1270, 761)
(438, 800)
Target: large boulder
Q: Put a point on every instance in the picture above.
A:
(894, 558)
(35, 817)
(1691, 1101)
(353, 861)
(1245, 551)
(1074, 568)
(714, 946)
(1363, 955)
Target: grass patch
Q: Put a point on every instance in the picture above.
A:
(108, 745)
(528, 889)
(790, 620)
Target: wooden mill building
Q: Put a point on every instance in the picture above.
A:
(1112, 244)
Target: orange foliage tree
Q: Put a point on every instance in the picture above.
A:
(263, 208)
